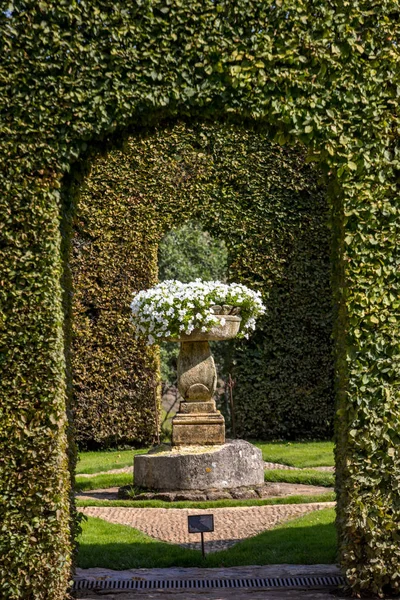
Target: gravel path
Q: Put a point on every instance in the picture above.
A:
(231, 524)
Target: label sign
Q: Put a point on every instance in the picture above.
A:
(200, 523)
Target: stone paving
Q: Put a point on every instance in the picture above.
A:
(231, 524)
(97, 574)
(182, 573)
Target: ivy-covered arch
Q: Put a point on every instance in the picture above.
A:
(77, 74)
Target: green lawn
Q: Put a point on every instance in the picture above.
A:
(295, 454)
(328, 497)
(298, 454)
(308, 540)
(84, 484)
(308, 477)
(104, 460)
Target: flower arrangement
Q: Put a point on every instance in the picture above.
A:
(172, 308)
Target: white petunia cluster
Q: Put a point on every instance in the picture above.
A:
(173, 307)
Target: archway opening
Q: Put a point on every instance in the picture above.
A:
(269, 207)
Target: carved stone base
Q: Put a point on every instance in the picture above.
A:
(204, 428)
(234, 464)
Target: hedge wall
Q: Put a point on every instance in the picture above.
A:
(77, 75)
(267, 205)
(113, 254)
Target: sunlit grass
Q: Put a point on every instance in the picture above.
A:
(306, 477)
(105, 460)
(298, 454)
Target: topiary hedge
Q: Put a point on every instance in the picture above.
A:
(78, 76)
(271, 212)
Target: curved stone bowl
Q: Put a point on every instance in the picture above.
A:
(217, 333)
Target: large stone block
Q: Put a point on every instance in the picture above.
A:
(233, 464)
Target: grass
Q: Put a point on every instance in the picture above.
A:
(85, 484)
(308, 477)
(298, 454)
(105, 460)
(308, 540)
(298, 499)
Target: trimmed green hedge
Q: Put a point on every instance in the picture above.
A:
(77, 77)
(268, 207)
(113, 254)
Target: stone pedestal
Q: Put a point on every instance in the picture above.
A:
(198, 421)
(231, 465)
(199, 458)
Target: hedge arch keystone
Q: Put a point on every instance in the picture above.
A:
(77, 77)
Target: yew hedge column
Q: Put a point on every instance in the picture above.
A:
(35, 520)
(368, 368)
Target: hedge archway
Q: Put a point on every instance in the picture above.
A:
(76, 77)
(272, 212)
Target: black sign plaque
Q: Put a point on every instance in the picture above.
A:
(201, 523)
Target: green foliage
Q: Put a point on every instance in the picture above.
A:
(110, 258)
(189, 252)
(308, 540)
(79, 76)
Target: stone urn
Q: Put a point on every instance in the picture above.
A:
(198, 421)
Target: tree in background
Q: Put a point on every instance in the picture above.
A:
(187, 253)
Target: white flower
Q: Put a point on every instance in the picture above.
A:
(173, 307)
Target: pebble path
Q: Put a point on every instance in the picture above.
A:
(231, 524)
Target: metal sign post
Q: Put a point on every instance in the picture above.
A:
(201, 524)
